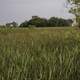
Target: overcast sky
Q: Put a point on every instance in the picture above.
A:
(21, 10)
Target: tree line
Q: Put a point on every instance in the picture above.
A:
(37, 21)
(43, 22)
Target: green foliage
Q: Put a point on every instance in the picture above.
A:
(24, 24)
(42, 22)
(74, 1)
(54, 21)
(75, 9)
(38, 22)
(39, 54)
(12, 24)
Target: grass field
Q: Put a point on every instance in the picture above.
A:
(39, 54)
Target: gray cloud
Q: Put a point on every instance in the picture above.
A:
(20, 10)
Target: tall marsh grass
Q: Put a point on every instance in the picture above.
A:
(39, 54)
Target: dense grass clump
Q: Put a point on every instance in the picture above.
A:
(39, 54)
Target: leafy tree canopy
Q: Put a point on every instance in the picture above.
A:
(75, 9)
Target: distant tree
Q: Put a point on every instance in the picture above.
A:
(42, 22)
(8, 24)
(12, 24)
(65, 22)
(62, 22)
(24, 24)
(38, 22)
(69, 22)
(53, 22)
(34, 17)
